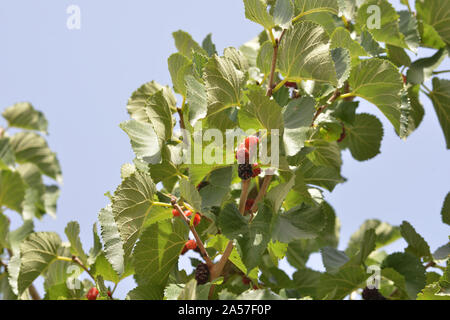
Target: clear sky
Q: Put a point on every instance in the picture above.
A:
(82, 79)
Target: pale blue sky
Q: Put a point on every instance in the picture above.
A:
(82, 79)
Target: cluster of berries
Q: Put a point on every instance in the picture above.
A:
(247, 170)
(189, 245)
(188, 214)
(93, 294)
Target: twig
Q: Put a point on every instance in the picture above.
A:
(244, 195)
(333, 98)
(180, 114)
(430, 264)
(274, 64)
(81, 264)
(199, 241)
(262, 192)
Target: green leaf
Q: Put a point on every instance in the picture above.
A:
(326, 177)
(435, 13)
(265, 294)
(137, 103)
(368, 244)
(160, 115)
(146, 292)
(342, 62)
(96, 249)
(209, 46)
(297, 118)
(432, 292)
(441, 102)
(333, 259)
(218, 187)
(417, 111)
(72, 232)
(113, 244)
(250, 51)
(304, 54)
(326, 154)
(256, 11)
(429, 36)
(12, 190)
(17, 236)
(442, 253)
(445, 212)
(131, 204)
(196, 99)
(264, 59)
(252, 237)
(347, 8)
(364, 136)
(277, 194)
(389, 29)
(307, 282)
(4, 231)
(409, 28)
(224, 84)
(411, 268)
(370, 45)
(398, 281)
(398, 56)
(186, 45)
(189, 192)
(337, 286)
(31, 147)
(238, 59)
(37, 252)
(23, 115)
(179, 68)
(7, 157)
(283, 13)
(379, 82)
(421, 70)
(385, 233)
(302, 222)
(305, 7)
(416, 244)
(13, 273)
(157, 251)
(266, 111)
(144, 140)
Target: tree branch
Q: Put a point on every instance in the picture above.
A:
(81, 264)
(244, 195)
(199, 241)
(274, 64)
(262, 192)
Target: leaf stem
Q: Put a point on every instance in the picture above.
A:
(272, 37)
(280, 85)
(442, 71)
(426, 88)
(347, 95)
(162, 204)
